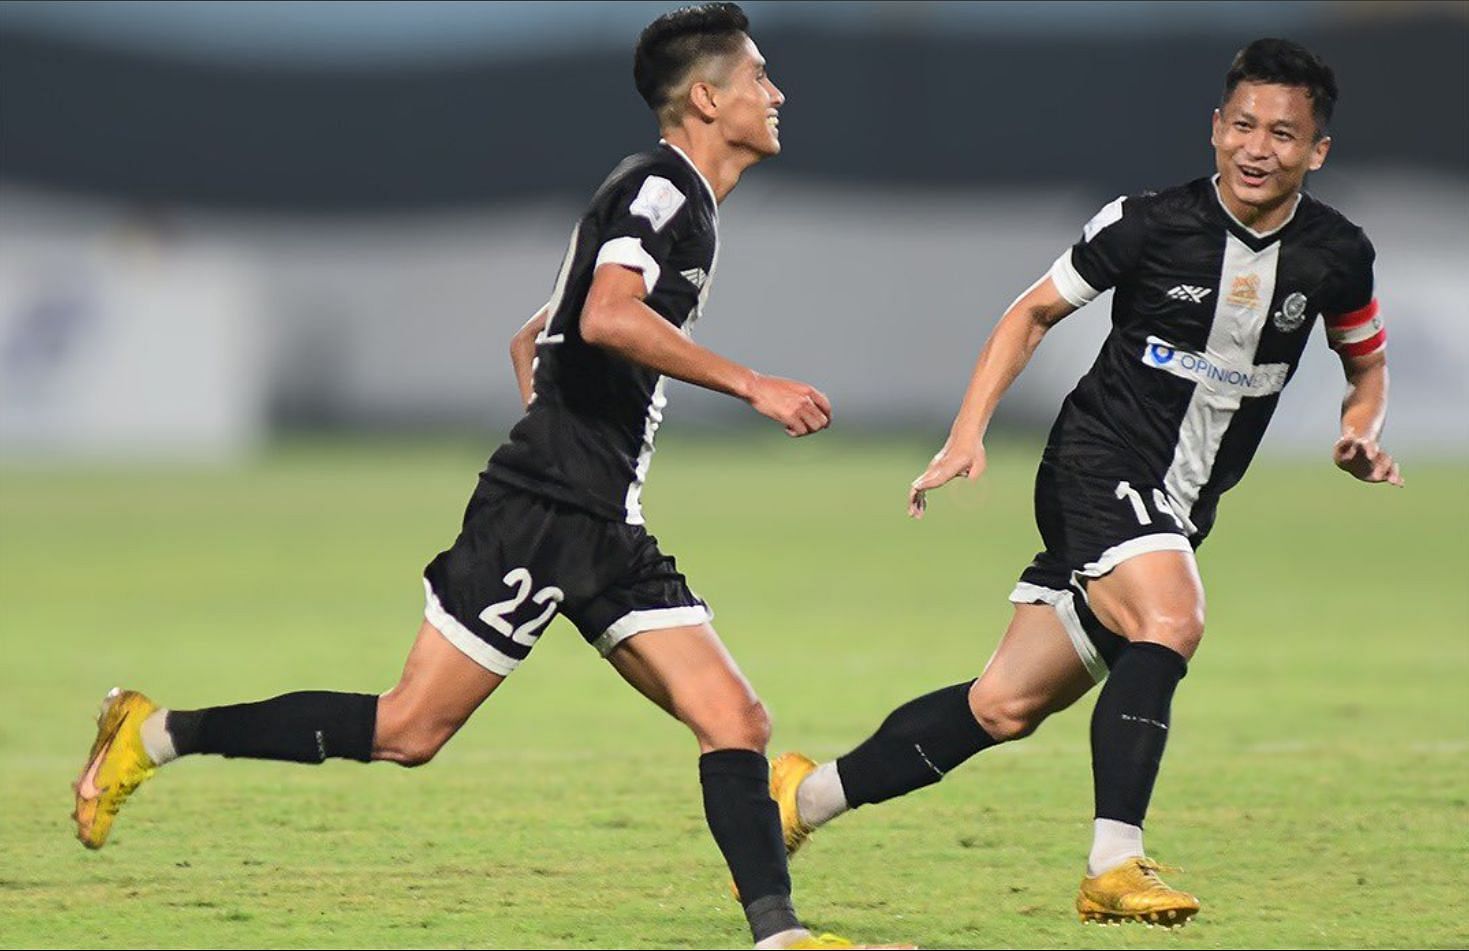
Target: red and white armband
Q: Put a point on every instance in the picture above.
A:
(1358, 333)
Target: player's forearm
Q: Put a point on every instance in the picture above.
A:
(634, 331)
(1006, 353)
(523, 354)
(1364, 408)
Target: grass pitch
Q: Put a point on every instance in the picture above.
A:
(1316, 787)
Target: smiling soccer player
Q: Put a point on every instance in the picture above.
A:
(1218, 283)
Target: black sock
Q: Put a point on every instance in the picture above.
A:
(915, 746)
(304, 727)
(746, 825)
(1130, 729)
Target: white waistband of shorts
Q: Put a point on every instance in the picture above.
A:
(471, 644)
(1064, 603)
(1142, 545)
(635, 622)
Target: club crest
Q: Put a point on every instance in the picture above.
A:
(1292, 313)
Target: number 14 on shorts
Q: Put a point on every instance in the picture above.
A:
(1125, 490)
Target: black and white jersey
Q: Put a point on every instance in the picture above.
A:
(587, 437)
(1209, 322)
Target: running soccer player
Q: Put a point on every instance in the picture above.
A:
(1218, 283)
(555, 524)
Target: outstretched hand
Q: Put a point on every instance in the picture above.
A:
(951, 462)
(1365, 460)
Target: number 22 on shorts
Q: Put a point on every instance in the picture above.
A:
(497, 614)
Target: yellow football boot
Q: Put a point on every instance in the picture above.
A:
(833, 941)
(786, 773)
(1133, 891)
(117, 765)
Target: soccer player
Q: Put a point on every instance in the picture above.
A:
(556, 523)
(1218, 283)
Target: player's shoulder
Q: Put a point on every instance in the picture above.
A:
(1333, 231)
(1145, 209)
(632, 173)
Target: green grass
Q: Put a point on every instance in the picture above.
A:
(1316, 787)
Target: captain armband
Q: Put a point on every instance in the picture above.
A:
(1358, 333)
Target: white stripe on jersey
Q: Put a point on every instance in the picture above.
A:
(654, 419)
(633, 504)
(1246, 286)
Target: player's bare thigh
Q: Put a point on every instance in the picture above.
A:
(438, 691)
(1156, 597)
(1034, 672)
(688, 672)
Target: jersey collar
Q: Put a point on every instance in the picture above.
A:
(681, 154)
(1256, 239)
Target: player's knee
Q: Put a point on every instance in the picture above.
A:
(1181, 630)
(1005, 718)
(415, 750)
(745, 726)
(404, 738)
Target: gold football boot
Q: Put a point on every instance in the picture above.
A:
(786, 773)
(1133, 891)
(117, 765)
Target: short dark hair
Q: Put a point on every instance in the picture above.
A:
(672, 44)
(1285, 63)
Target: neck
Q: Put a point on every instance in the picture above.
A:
(1261, 218)
(720, 164)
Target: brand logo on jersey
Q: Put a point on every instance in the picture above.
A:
(1245, 292)
(695, 276)
(1189, 292)
(1292, 313)
(658, 201)
(1252, 381)
(1158, 355)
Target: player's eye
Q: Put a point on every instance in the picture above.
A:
(1242, 125)
(1284, 136)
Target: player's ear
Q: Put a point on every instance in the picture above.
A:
(1214, 127)
(1318, 152)
(702, 98)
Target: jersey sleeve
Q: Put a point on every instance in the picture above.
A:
(1110, 246)
(1354, 326)
(645, 218)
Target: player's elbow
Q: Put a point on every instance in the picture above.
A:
(523, 340)
(600, 325)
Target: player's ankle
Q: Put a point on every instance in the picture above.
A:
(820, 798)
(157, 741)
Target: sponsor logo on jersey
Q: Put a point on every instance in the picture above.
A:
(1245, 292)
(658, 201)
(695, 276)
(1198, 368)
(1292, 313)
(1189, 292)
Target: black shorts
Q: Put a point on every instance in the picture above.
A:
(1091, 524)
(521, 559)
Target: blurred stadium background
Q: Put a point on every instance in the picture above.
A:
(223, 221)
